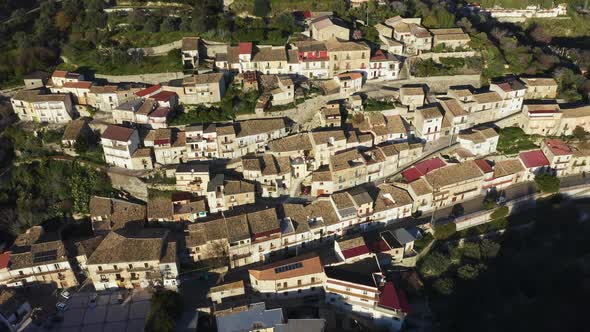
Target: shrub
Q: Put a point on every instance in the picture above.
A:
(471, 250)
(166, 307)
(470, 272)
(444, 286)
(434, 264)
(488, 248)
(547, 183)
(445, 231)
(500, 212)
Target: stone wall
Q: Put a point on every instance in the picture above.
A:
(130, 184)
(440, 84)
(436, 56)
(154, 78)
(162, 49)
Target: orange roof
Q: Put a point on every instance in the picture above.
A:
(59, 73)
(289, 268)
(350, 76)
(78, 85)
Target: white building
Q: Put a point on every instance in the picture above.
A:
(119, 144)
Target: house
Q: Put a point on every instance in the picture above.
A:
(428, 122)
(169, 145)
(190, 52)
(392, 203)
(271, 174)
(226, 291)
(108, 214)
(14, 310)
(269, 60)
(452, 39)
(479, 141)
(421, 193)
(75, 130)
(349, 83)
(33, 105)
(540, 88)
(559, 155)
(326, 143)
(512, 92)
(210, 239)
(534, 162)
(37, 257)
(481, 107)
(149, 91)
(331, 116)
(397, 247)
(347, 56)
(541, 119)
(413, 97)
(192, 177)
(454, 114)
(348, 169)
(422, 168)
(125, 113)
(108, 97)
(36, 80)
(410, 33)
(299, 275)
(504, 173)
(202, 141)
(322, 182)
(60, 77)
(313, 59)
(351, 250)
(361, 288)
(251, 136)
(328, 28)
(119, 144)
(136, 259)
(187, 207)
(455, 183)
(280, 89)
(573, 117)
(224, 194)
(159, 208)
(384, 66)
(199, 89)
(252, 317)
(79, 91)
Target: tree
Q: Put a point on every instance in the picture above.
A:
(434, 264)
(261, 8)
(62, 21)
(471, 250)
(500, 212)
(169, 25)
(489, 249)
(547, 183)
(444, 232)
(151, 25)
(458, 210)
(444, 286)
(470, 272)
(580, 133)
(539, 35)
(165, 308)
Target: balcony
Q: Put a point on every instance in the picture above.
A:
(140, 269)
(302, 285)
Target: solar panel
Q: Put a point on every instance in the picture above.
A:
(289, 267)
(45, 256)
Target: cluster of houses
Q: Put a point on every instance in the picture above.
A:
(533, 11)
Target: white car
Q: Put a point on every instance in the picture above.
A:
(66, 294)
(61, 306)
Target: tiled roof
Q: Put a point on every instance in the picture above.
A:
(124, 247)
(78, 85)
(390, 197)
(159, 208)
(295, 142)
(507, 167)
(310, 264)
(117, 133)
(163, 96)
(558, 147)
(259, 126)
(429, 112)
(202, 79)
(422, 168)
(73, 129)
(535, 158)
(452, 174)
(393, 298)
(245, 48)
(484, 165)
(190, 43)
(539, 81)
(148, 91)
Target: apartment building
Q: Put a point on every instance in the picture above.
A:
(251, 136)
(559, 155)
(512, 92)
(136, 259)
(428, 122)
(271, 174)
(347, 56)
(192, 177)
(329, 28)
(392, 203)
(479, 141)
(224, 194)
(540, 88)
(199, 89)
(78, 90)
(313, 58)
(190, 52)
(452, 38)
(37, 258)
(169, 145)
(33, 105)
(361, 288)
(298, 276)
(541, 119)
(201, 142)
(107, 214)
(348, 169)
(120, 146)
(409, 31)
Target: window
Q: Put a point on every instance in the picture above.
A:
(115, 267)
(20, 273)
(130, 266)
(100, 268)
(146, 265)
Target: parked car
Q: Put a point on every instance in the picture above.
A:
(92, 301)
(66, 294)
(61, 306)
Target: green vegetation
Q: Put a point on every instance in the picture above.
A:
(447, 66)
(165, 309)
(500, 212)
(445, 231)
(375, 105)
(547, 183)
(513, 140)
(575, 26)
(140, 38)
(423, 242)
(504, 274)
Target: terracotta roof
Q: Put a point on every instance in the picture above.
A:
(321, 175)
(245, 48)
(346, 159)
(455, 173)
(479, 135)
(558, 147)
(447, 31)
(350, 76)
(267, 164)
(226, 287)
(239, 228)
(4, 260)
(259, 126)
(59, 73)
(484, 166)
(487, 97)
(202, 79)
(159, 208)
(422, 168)
(452, 106)
(535, 158)
(164, 96)
(78, 85)
(338, 46)
(289, 268)
(429, 112)
(390, 197)
(118, 133)
(73, 129)
(295, 142)
(507, 167)
(233, 187)
(342, 200)
(581, 111)
(148, 91)
(124, 247)
(103, 89)
(270, 54)
(190, 43)
(264, 222)
(310, 46)
(393, 298)
(539, 81)
(324, 136)
(421, 187)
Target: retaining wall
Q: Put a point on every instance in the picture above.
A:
(154, 78)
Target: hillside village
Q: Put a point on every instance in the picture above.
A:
(323, 208)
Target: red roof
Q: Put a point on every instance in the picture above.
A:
(354, 252)
(393, 298)
(484, 166)
(59, 73)
(245, 48)
(4, 260)
(164, 95)
(307, 14)
(505, 86)
(78, 85)
(535, 158)
(379, 246)
(422, 168)
(148, 91)
(558, 147)
(160, 112)
(378, 56)
(117, 133)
